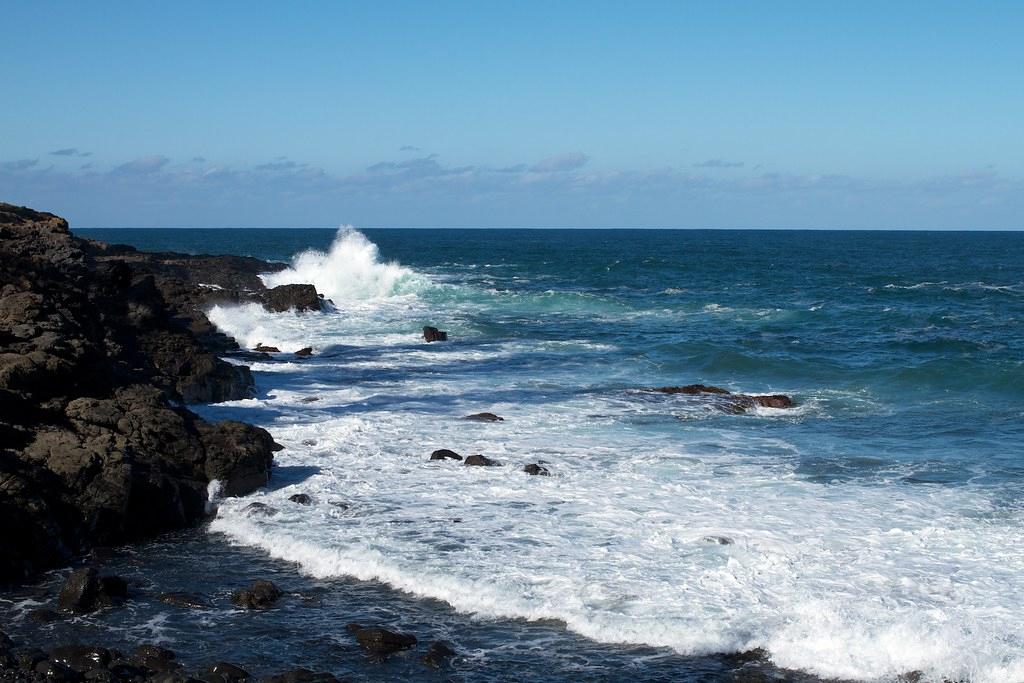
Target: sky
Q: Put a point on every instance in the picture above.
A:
(873, 115)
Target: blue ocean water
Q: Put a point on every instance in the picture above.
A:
(874, 529)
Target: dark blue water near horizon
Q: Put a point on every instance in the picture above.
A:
(873, 530)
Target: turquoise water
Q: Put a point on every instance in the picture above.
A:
(873, 530)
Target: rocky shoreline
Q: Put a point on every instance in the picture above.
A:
(101, 348)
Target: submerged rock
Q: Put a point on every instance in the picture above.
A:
(302, 676)
(728, 402)
(438, 654)
(259, 510)
(185, 600)
(301, 499)
(304, 352)
(432, 334)
(266, 349)
(261, 594)
(81, 658)
(85, 591)
(445, 454)
(536, 469)
(228, 672)
(381, 642)
(484, 417)
(480, 461)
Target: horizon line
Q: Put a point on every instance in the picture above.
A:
(410, 227)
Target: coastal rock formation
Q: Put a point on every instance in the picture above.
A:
(728, 402)
(291, 298)
(481, 461)
(260, 595)
(484, 417)
(445, 454)
(536, 469)
(99, 347)
(432, 334)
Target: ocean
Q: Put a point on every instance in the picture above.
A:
(873, 530)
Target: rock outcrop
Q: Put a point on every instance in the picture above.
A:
(99, 347)
(728, 402)
(432, 334)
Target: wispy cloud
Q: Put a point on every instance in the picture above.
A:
(18, 164)
(718, 163)
(70, 152)
(408, 148)
(143, 166)
(561, 162)
(558, 190)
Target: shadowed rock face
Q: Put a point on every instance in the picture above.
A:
(94, 348)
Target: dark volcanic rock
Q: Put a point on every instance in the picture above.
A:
(484, 417)
(260, 595)
(380, 642)
(432, 334)
(81, 658)
(98, 347)
(185, 600)
(304, 352)
(480, 461)
(291, 297)
(229, 672)
(438, 654)
(445, 454)
(301, 499)
(728, 402)
(536, 469)
(84, 591)
(267, 349)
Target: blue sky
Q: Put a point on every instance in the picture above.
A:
(745, 114)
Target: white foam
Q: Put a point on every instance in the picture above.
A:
(864, 580)
(350, 270)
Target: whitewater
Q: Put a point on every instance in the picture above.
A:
(858, 536)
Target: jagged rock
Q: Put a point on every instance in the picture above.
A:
(260, 595)
(445, 454)
(98, 345)
(536, 469)
(484, 417)
(480, 461)
(229, 672)
(379, 642)
(438, 654)
(267, 349)
(291, 297)
(81, 658)
(85, 591)
(155, 658)
(432, 334)
(728, 402)
(304, 352)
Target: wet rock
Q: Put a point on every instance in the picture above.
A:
(238, 455)
(155, 658)
(309, 399)
(432, 334)
(379, 642)
(728, 402)
(291, 298)
(302, 676)
(480, 461)
(484, 417)
(229, 672)
(535, 469)
(43, 616)
(85, 591)
(301, 499)
(266, 349)
(185, 600)
(259, 510)
(438, 654)
(261, 594)
(309, 442)
(692, 389)
(27, 658)
(305, 352)
(81, 658)
(56, 672)
(445, 454)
